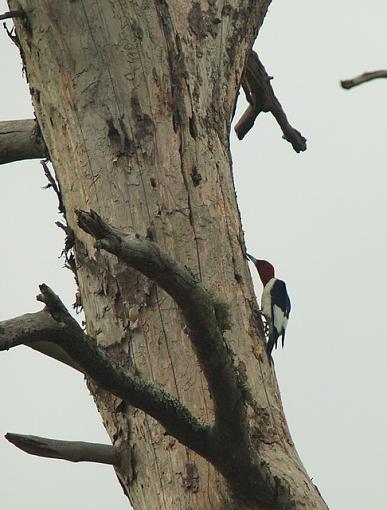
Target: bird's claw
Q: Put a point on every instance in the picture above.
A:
(266, 329)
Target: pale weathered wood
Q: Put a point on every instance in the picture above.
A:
(73, 451)
(135, 100)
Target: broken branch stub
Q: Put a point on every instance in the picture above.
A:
(261, 98)
(73, 451)
(19, 140)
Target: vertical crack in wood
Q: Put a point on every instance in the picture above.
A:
(181, 121)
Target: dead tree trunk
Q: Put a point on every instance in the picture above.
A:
(134, 100)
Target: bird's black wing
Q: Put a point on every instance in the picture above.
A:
(280, 298)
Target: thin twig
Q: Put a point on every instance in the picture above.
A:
(52, 183)
(12, 14)
(260, 95)
(363, 78)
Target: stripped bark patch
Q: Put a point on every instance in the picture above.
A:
(191, 480)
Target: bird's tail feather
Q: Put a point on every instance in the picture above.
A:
(273, 338)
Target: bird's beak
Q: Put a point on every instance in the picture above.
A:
(253, 259)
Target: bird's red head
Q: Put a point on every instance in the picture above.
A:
(264, 268)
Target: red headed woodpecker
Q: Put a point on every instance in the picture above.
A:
(275, 302)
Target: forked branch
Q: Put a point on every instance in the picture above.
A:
(56, 325)
(225, 444)
(261, 98)
(229, 444)
(197, 305)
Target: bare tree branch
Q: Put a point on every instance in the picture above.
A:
(363, 78)
(197, 305)
(56, 326)
(229, 447)
(20, 139)
(225, 445)
(261, 98)
(37, 331)
(73, 451)
(94, 362)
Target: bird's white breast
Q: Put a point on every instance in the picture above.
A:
(266, 298)
(280, 321)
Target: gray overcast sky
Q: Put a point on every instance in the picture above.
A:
(319, 217)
